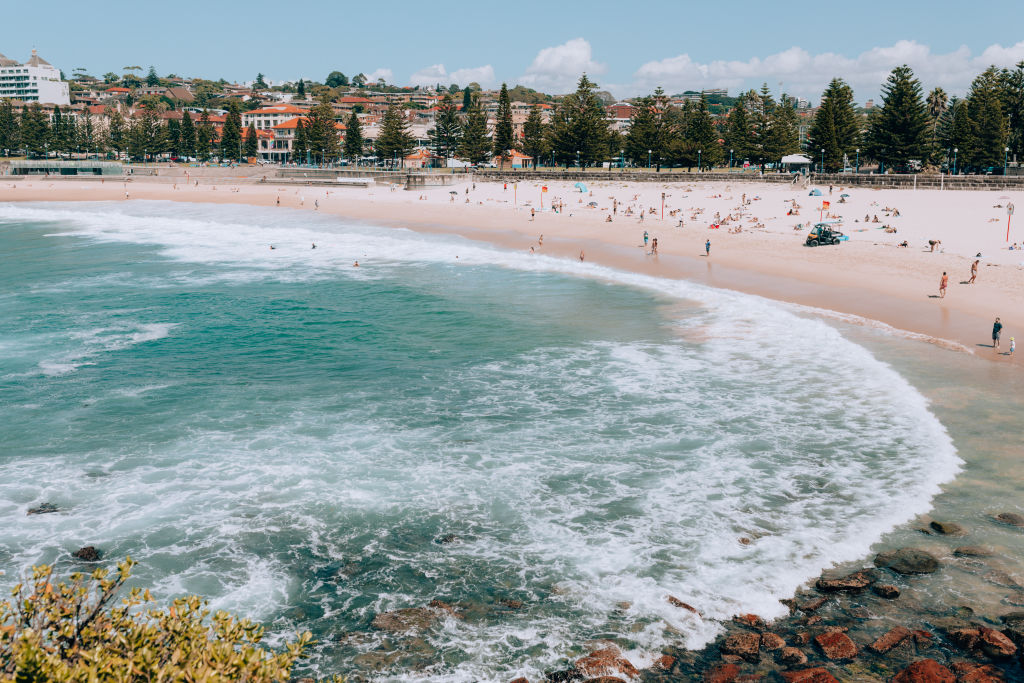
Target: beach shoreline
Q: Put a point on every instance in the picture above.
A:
(870, 282)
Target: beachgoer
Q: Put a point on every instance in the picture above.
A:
(645, 239)
(933, 244)
(581, 254)
(608, 219)
(314, 245)
(531, 250)
(654, 246)
(356, 264)
(540, 241)
(942, 285)
(272, 247)
(997, 327)
(316, 204)
(279, 200)
(533, 214)
(974, 272)
(1013, 346)
(707, 248)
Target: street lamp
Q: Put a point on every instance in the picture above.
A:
(955, 150)
(858, 161)
(1006, 154)
(622, 158)
(822, 168)
(648, 158)
(698, 161)
(577, 158)
(730, 161)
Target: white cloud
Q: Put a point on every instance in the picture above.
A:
(806, 75)
(557, 69)
(387, 74)
(436, 73)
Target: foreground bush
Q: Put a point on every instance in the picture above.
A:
(81, 631)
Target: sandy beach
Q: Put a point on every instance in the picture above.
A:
(758, 247)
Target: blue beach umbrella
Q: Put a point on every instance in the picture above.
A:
(581, 187)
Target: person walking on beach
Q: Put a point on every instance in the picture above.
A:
(533, 214)
(942, 285)
(645, 239)
(707, 248)
(974, 272)
(997, 328)
(316, 204)
(1013, 346)
(581, 254)
(654, 247)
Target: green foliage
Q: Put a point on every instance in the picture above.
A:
(353, 137)
(835, 128)
(739, 135)
(301, 89)
(231, 134)
(204, 137)
(80, 631)
(1012, 96)
(35, 130)
(521, 93)
(504, 141)
(9, 137)
(447, 128)
(986, 112)
(322, 133)
(300, 144)
(151, 78)
(259, 82)
(336, 79)
(146, 136)
(251, 144)
(475, 145)
(467, 99)
(579, 128)
(783, 135)
(653, 127)
(394, 140)
(898, 130)
(187, 136)
(700, 131)
(535, 135)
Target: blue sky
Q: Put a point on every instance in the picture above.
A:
(627, 47)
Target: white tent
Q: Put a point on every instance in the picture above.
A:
(796, 160)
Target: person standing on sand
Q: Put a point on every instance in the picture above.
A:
(540, 241)
(581, 254)
(974, 272)
(942, 285)
(279, 200)
(1013, 346)
(997, 328)
(533, 214)
(654, 246)
(645, 239)
(707, 248)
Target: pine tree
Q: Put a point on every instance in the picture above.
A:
(447, 128)
(259, 82)
(204, 137)
(147, 137)
(252, 143)
(643, 134)
(534, 135)
(835, 128)
(116, 129)
(701, 133)
(986, 112)
(1012, 95)
(174, 137)
(739, 137)
(231, 134)
(956, 131)
(86, 136)
(34, 130)
(467, 99)
(8, 127)
(301, 90)
(474, 146)
(783, 136)
(353, 137)
(898, 129)
(322, 132)
(579, 128)
(394, 141)
(504, 141)
(187, 135)
(151, 78)
(762, 124)
(300, 144)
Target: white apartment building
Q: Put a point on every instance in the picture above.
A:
(34, 81)
(271, 115)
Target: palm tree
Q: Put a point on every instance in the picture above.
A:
(937, 101)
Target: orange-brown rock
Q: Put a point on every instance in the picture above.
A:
(751, 620)
(676, 602)
(664, 662)
(890, 640)
(812, 605)
(816, 675)
(995, 644)
(852, 582)
(745, 645)
(973, 672)
(792, 656)
(772, 642)
(836, 645)
(723, 673)
(521, 680)
(925, 671)
(608, 661)
(408, 619)
(885, 590)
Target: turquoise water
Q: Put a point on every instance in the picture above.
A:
(298, 439)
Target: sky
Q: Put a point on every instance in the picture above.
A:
(628, 48)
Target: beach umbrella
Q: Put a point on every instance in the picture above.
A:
(592, 204)
(814, 193)
(581, 187)
(844, 195)
(452, 192)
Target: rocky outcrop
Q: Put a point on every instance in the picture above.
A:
(851, 582)
(676, 602)
(1011, 518)
(43, 509)
(87, 554)
(947, 528)
(907, 561)
(750, 620)
(836, 645)
(792, 656)
(816, 675)
(745, 645)
(723, 673)
(608, 661)
(973, 672)
(885, 590)
(972, 551)
(890, 640)
(987, 641)
(925, 671)
(408, 619)
(770, 642)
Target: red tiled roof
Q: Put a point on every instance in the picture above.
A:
(294, 123)
(116, 89)
(278, 109)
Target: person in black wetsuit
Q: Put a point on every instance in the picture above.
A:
(997, 328)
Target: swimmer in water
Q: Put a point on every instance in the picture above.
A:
(314, 245)
(356, 264)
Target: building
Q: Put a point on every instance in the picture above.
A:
(267, 117)
(279, 147)
(34, 81)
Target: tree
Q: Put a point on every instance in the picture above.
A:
(259, 82)
(111, 77)
(701, 134)
(644, 134)
(8, 127)
(898, 129)
(359, 80)
(146, 136)
(474, 146)
(956, 131)
(394, 140)
(173, 131)
(300, 145)
(322, 132)
(187, 136)
(504, 141)
(151, 78)
(35, 130)
(116, 128)
(447, 128)
(467, 99)
(336, 79)
(89, 629)
(1012, 95)
(579, 128)
(252, 143)
(353, 137)
(835, 127)
(783, 135)
(534, 135)
(739, 135)
(301, 90)
(86, 133)
(231, 133)
(204, 137)
(986, 112)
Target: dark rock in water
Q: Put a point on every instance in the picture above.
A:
(43, 509)
(885, 590)
(607, 661)
(890, 640)
(446, 539)
(816, 675)
(964, 638)
(1015, 599)
(907, 561)
(745, 645)
(87, 554)
(837, 645)
(792, 656)
(664, 663)
(445, 607)
(923, 639)
(676, 602)
(972, 551)
(973, 672)
(1011, 518)
(852, 582)
(771, 642)
(925, 671)
(408, 619)
(521, 680)
(995, 644)
(511, 604)
(723, 673)
(1001, 578)
(563, 676)
(948, 528)
(751, 620)
(812, 605)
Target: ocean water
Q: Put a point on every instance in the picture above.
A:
(311, 444)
